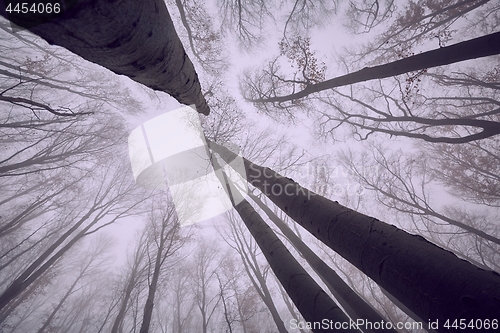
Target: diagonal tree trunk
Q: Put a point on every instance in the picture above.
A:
(48, 321)
(132, 281)
(313, 303)
(148, 307)
(354, 305)
(432, 282)
(255, 274)
(43, 262)
(165, 242)
(471, 49)
(132, 38)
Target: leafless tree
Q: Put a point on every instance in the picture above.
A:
(404, 184)
(164, 241)
(364, 15)
(133, 277)
(313, 303)
(204, 40)
(205, 264)
(170, 60)
(114, 195)
(332, 223)
(183, 300)
(248, 252)
(91, 262)
(470, 171)
(272, 88)
(305, 14)
(413, 24)
(245, 18)
(353, 305)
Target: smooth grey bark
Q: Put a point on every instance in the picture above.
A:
(288, 304)
(432, 282)
(354, 305)
(312, 302)
(148, 307)
(166, 244)
(471, 49)
(250, 264)
(132, 38)
(131, 283)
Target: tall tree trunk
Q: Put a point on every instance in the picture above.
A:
(132, 38)
(313, 303)
(43, 262)
(471, 49)
(6, 311)
(148, 307)
(288, 304)
(59, 305)
(261, 287)
(354, 305)
(131, 283)
(432, 282)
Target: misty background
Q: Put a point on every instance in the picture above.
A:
(99, 251)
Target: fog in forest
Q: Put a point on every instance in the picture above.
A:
(250, 166)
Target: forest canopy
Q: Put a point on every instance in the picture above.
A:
(368, 133)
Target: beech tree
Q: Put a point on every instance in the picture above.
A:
(397, 189)
(115, 194)
(264, 89)
(206, 263)
(139, 41)
(313, 303)
(354, 306)
(154, 56)
(332, 223)
(257, 274)
(406, 187)
(166, 241)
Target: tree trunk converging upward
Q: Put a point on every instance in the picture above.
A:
(42, 263)
(132, 38)
(313, 303)
(255, 274)
(471, 49)
(430, 281)
(131, 282)
(137, 39)
(354, 305)
(148, 307)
